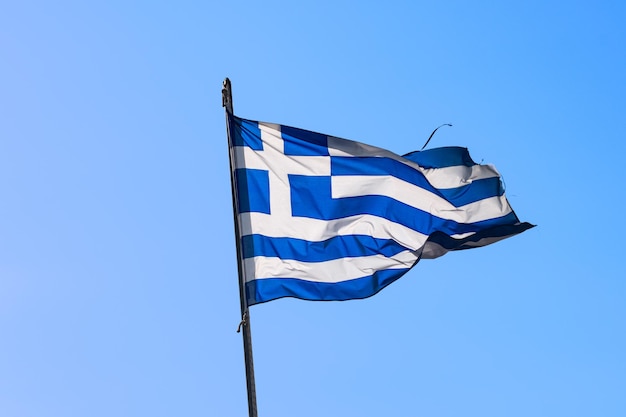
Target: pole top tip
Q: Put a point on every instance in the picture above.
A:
(227, 98)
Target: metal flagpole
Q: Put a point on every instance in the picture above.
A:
(227, 103)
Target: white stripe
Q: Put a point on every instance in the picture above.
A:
(458, 176)
(337, 270)
(273, 151)
(316, 230)
(433, 250)
(344, 147)
(270, 159)
(356, 186)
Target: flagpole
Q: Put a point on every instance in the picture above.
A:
(227, 103)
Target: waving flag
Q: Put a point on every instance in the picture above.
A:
(324, 218)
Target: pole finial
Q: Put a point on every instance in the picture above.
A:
(227, 96)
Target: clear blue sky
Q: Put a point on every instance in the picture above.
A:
(118, 288)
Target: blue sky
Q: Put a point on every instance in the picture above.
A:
(118, 282)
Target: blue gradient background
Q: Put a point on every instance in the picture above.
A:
(118, 289)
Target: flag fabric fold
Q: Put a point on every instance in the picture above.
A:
(325, 218)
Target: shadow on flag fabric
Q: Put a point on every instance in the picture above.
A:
(324, 218)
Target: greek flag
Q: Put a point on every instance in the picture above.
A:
(324, 218)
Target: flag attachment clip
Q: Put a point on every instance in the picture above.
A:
(243, 322)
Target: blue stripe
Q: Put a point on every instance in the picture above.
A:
(336, 247)
(262, 290)
(459, 196)
(311, 197)
(245, 133)
(300, 142)
(253, 189)
(475, 191)
(441, 157)
(502, 231)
